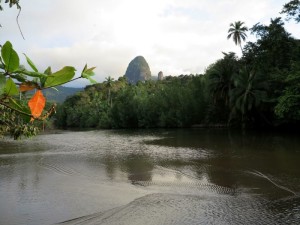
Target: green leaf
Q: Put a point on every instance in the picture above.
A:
(85, 67)
(48, 71)
(30, 63)
(18, 106)
(60, 77)
(2, 63)
(11, 88)
(90, 71)
(92, 80)
(2, 83)
(43, 79)
(87, 72)
(10, 57)
(21, 108)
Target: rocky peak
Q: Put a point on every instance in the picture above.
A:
(138, 70)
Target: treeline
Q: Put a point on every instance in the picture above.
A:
(259, 89)
(173, 102)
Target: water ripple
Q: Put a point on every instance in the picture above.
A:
(177, 209)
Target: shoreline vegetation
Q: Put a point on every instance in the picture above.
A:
(258, 90)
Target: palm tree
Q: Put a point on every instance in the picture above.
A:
(237, 31)
(109, 82)
(220, 77)
(249, 94)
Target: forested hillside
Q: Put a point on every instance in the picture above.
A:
(60, 94)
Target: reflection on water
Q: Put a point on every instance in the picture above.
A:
(151, 177)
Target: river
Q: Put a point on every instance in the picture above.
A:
(180, 176)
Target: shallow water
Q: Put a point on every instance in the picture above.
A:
(151, 177)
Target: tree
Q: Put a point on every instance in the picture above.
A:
(249, 93)
(18, 114)
(275, 48)
(292, 9)
(11, 3)
(109, 84)
(220, 83)
(220, 77)
(238, 33)
(288, 107)
(272, 54)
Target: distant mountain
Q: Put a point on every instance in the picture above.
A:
(60, 95)
(138, 70)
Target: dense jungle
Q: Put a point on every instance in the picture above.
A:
(260, 89)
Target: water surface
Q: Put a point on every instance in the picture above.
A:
(151, 177)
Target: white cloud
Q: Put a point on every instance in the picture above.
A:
(174, 36)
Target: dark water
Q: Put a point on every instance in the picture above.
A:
(151, 177)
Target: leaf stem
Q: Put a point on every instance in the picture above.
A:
(62, 83)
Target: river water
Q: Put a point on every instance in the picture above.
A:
(136, 177)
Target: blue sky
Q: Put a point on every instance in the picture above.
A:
(175, 36)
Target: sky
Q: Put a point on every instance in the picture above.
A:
(175, 36)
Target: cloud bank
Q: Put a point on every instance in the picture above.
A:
(174, 36)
